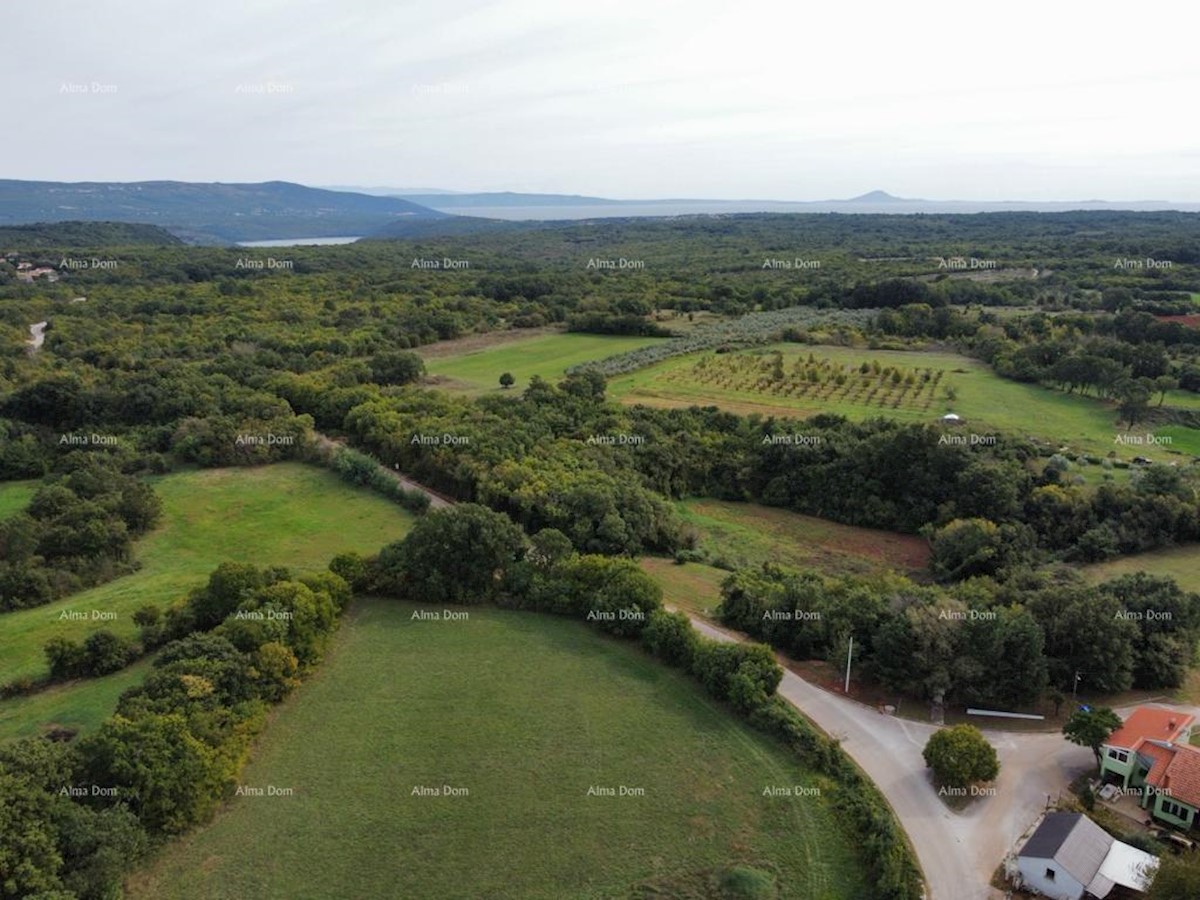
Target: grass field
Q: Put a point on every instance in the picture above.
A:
(525, 713)
(746, 535)
(1180, 563)
(694, 587)
(288, 514)
(478, 370)
(745, 383)
(78, 705)
(15, 496)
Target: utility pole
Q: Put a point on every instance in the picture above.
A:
(849, 656)
(1075, 687)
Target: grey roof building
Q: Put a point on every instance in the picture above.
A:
(1069, 857)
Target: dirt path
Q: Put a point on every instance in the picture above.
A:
(436, 500)
(37, 336)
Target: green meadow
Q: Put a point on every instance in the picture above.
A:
(77, 705)
(472, 758)
(15, 496)
(694, 587)
(983, 399)
(1180, 563)
(288, 514)
(746, 535)
(549, 355)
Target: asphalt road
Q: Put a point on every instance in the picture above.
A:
(959, 852)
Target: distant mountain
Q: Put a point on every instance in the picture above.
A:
(84, 235)
(879, 197)
(208, 213)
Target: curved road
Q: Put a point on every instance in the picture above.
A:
(958, 851)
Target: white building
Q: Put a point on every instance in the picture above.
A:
(1069, 856)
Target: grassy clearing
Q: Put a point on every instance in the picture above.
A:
(526, 713)
(749, 534)
(984, 399)
(1180, 563)
(15, 496)
(288, 514)
(79, 705)
(694, 587)
(549, 355)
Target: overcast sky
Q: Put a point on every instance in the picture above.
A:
(1037, 100)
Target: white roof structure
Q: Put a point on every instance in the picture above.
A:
(951, 417)
(1124, 865)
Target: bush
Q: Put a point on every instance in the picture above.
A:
(671, 637)
(100, 654)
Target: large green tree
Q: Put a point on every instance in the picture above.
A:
(961, 756)
(455, 555)
(1091, 728)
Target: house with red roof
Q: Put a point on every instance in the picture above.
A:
(1172, 789)
(1150, 753)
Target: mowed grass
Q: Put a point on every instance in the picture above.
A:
(15, 496)
(525, 713)
(288, 514)
(548, 355)
(746, 535)
(694, 587)
(985, 400)
(78, 705)
(1180, 563)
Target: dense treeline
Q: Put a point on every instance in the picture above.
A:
(470, 554)
(981, 642)
(77, 531)
(560, 457)
(77, 816)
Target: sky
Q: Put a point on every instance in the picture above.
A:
(1065, 100)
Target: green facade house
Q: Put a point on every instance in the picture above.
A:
(1124, 759)
(1172, 788)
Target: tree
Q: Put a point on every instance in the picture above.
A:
(454, 555)
(168, 778)
(396, 367)
(507, 380)
(1162, 384)
(1091, 728)
(1133, 396)
(29, 858)
(966, 547)
(961, 756)
(1177, 878)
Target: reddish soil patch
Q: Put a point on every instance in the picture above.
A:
(1192, 321)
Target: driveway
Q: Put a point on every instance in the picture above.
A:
(958, 851)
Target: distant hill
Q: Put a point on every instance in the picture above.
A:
(446, 200)
(879, 197)
(207, 213)
(563, 207)
(83, 234)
